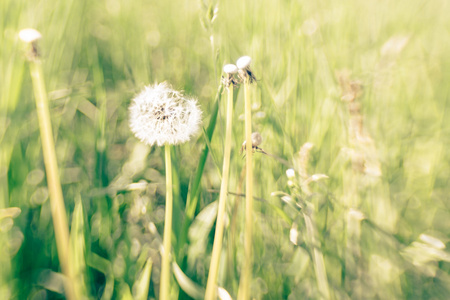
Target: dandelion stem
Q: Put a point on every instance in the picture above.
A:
(58, 210)
(165, 265)
(218, 237)
(246, 275)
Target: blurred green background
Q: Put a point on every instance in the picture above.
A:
(366, 82)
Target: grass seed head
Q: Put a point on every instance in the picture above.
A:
(161, 115)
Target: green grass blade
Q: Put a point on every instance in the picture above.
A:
(141, 286)
(194, 191)
(187, 285)
(78, 249)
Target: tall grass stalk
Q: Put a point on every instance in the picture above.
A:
(58, 210)
(218, 236)
(165, 264)
(246, 276)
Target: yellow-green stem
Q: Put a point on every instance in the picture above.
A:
(319, 263)
(58, 210)
(167, 240)
(218, 237)
(246, 275)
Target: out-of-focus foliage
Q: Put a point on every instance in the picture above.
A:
(366, 82)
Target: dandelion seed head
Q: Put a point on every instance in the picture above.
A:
(243, 62)
(29, 35)
(256, 139)
(230, 69)
(161, 115)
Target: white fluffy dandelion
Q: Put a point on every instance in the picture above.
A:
(161, 115)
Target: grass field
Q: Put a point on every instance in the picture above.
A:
(352, 95)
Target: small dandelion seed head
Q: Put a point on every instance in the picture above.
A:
(161, 115)
(243, 62)
(229, 79)
(230, 69)
(256, 139)
(245, 73)
(29, 35)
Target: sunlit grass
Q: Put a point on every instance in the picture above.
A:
(382, 233)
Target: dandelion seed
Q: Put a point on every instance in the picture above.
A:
(161, 115)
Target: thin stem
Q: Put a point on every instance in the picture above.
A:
(165, 265)
(218, 237)
(58, 209)
(246, 275)
(319, 263)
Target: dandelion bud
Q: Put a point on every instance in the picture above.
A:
(29, 35)
(161, 115)
(290, 173)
